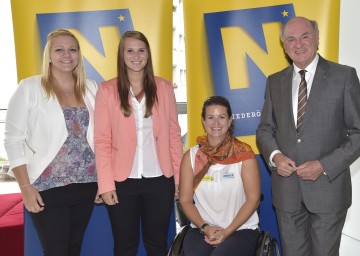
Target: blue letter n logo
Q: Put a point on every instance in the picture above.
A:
(245, 47)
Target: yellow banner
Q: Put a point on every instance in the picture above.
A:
(98, 26)
(232, 46)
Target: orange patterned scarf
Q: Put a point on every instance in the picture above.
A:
(229, 151)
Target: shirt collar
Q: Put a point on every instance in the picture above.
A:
(311, 68)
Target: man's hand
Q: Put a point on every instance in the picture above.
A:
(311, 170)
(284, 165)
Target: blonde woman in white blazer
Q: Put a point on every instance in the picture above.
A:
(49, 142)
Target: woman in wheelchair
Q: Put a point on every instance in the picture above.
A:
(220, 188)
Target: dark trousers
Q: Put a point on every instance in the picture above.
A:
(304, 233)
(62, 223)
(241, 243)
(147, 202)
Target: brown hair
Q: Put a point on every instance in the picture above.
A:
(123, 82)
(221, 101)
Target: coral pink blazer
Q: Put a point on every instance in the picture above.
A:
(115, 135)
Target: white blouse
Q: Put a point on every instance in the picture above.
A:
(146, 162)
(221, 194)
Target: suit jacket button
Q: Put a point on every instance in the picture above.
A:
(298, 141)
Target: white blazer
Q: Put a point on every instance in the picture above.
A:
(35, 126)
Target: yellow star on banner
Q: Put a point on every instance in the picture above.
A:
(121, 18)
(285, 13)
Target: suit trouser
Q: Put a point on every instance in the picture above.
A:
(242, 242)
(304, 233)
(62, 223)
(148, 201)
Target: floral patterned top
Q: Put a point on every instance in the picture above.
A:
(75, 161)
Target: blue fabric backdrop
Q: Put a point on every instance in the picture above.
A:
(98, 239)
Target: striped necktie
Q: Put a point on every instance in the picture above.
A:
(302, 100)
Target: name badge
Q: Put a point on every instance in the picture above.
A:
(228, 176)
(208, 178)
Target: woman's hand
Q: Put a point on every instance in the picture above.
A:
(32, 199)
(110, 198)
(212, 234)
(216, 236)
(98, 199)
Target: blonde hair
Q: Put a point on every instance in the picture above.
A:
(47, 79)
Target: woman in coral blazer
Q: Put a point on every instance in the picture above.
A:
(138, 149)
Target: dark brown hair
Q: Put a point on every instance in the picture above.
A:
(221, 101)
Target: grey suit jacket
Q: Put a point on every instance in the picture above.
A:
(330, 133)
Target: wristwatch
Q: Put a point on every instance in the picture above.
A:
(203, 227)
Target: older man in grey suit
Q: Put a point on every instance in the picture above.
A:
(311, 148)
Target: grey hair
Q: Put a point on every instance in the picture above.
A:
(313, 23)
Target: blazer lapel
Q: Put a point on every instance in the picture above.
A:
(131, 122)
(316, 90)
(286, 87)
(155, 117)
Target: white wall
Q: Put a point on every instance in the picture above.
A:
(7, 65)
(7, 54)
(350, 54)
